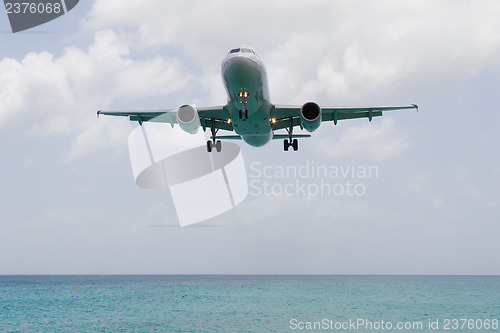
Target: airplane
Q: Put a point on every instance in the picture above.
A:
(249, 112)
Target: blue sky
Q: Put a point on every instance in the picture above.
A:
(69, 201)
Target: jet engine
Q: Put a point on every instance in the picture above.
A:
(187, 118)
(310, 116)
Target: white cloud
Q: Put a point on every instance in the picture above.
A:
(377, 141)
(104, 137)
(107, 71)
(345, 49)
(44, 95)
(32, 96)
(354, 74)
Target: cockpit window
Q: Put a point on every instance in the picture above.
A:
(245, 50)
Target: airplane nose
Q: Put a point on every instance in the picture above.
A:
(239, 66)
(235, 62)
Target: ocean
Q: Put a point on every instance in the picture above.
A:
(156, 303)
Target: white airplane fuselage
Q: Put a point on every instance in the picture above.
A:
(245, 80)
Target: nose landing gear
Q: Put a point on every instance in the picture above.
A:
(243, 112)
(214, 144)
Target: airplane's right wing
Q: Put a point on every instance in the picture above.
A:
(163, 116)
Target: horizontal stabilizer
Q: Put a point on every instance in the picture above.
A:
(228, 137)
(286, 136)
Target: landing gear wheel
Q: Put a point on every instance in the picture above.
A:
(209, 146)
(246, 114)
(218, 146)
(241, 114)
(286, 145)
(295, 144)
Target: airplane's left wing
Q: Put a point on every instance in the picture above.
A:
(284, 116)
(341, 113)
(210, 117)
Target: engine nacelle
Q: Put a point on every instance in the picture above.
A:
(187, 118)
(310, 116)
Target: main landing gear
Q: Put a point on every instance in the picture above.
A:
(293, 143)
(287, 143)
(214, 143)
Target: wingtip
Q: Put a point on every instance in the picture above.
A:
(416, 106)
(98, 113)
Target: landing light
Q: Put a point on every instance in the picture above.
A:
(273, 120)
(229, 121)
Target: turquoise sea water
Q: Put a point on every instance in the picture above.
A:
(249, 303)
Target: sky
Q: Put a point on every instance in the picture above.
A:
(69, 203)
